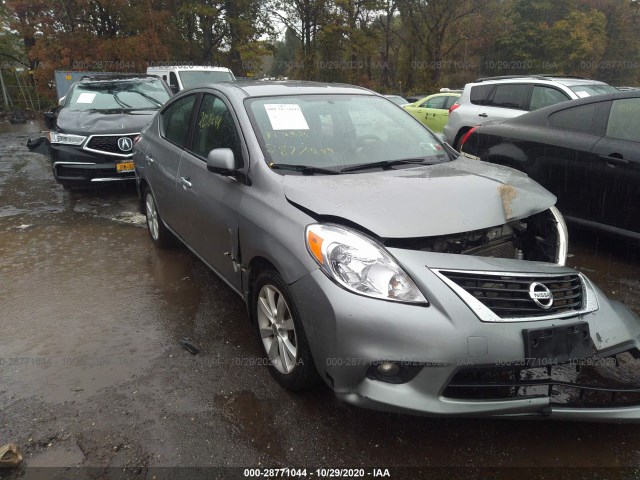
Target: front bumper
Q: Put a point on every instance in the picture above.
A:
(349, 333)
(74, 166)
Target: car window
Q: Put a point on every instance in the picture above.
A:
(194, 78)
(450, 101)
(581, 119)
(173, 80)
(436, 102)
(215, 128)
(543, 96)
(339, 131)
(176, 118)
(624, 120)
(510, 96)
(479, 94)
(589, 90)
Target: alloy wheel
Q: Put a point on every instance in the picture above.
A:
(277, 329)
(152, 216)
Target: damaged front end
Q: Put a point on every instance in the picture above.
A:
(39, 145)
(609, 380)
(541, 237)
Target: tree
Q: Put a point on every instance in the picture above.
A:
(305, 19)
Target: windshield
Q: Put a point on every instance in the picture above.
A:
(195, 78)
(589, 90)
(337, 131)
(134, 94)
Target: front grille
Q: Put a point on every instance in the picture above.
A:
(77, 173)
(588, 382)
(507, 296)
(108, 144)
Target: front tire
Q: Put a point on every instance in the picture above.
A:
(281, 334)
(159, 234)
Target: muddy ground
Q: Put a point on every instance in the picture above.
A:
(93, 375)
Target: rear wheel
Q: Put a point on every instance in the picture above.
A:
(159, 234)
(456, 143)
(281, 334)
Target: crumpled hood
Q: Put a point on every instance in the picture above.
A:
(448, 198)
(99, 122)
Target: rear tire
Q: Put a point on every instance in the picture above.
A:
(160, 235)
(281, 335)
(456, 142)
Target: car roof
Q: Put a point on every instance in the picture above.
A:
(190, 67)
(561, 79)
(111, 78)
(257, 88)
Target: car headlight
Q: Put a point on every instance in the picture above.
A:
(65, 138)
(359, 264)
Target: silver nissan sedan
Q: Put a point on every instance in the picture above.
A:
(373, 257)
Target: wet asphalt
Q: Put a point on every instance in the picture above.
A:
(92, 373)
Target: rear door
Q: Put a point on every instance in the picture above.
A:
(619, 155)
(564, 163)
(507, 100)
(436, 112)
(163, 155)
(208, 201)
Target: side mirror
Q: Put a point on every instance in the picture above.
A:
(222, 161)
(61, 101)
(174, 88)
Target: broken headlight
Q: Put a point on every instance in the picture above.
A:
(359, 264)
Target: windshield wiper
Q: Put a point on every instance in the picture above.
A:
(118, 101)
(385, 164)
(304, 169)
(148, 97)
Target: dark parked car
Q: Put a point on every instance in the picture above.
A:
(586, 152)
(93, 129)
(373, 257)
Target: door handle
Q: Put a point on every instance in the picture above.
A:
(483, 115)
(148, 158)
(185, 181)
(612, 161)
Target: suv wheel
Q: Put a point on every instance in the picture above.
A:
(456, 143)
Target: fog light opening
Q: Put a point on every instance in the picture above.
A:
(388, 369)
(393, 372)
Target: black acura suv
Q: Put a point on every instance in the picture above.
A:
(94, 128)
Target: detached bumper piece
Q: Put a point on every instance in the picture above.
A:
(584, 386)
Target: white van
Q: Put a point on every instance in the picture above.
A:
(187, 76)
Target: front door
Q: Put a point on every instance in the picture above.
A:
(208, 200)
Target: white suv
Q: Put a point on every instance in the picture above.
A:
(500, 98)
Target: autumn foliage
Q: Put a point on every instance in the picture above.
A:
(389, 45)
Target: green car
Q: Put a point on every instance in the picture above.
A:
(433, 111)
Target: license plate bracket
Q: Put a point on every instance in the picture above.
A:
(559, 344)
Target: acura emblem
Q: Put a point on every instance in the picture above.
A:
(125, 144)
(541, 295)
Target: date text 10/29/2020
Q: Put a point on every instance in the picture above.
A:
(317, 473)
